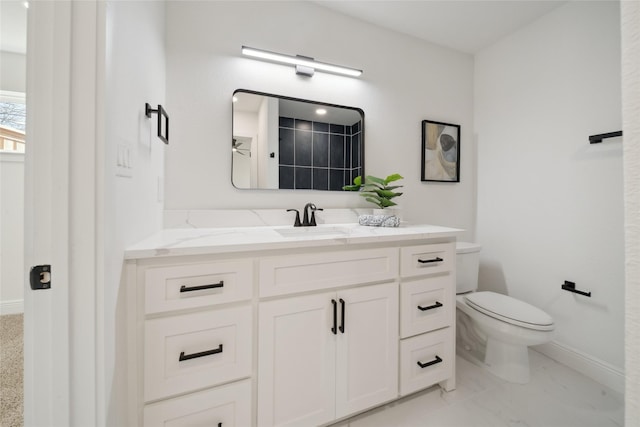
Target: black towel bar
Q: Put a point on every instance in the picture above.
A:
(161, 112)
(571, 287)
(595, 139)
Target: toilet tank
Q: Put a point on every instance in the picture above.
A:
(467, 264)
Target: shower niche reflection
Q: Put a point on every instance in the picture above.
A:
(287, 143)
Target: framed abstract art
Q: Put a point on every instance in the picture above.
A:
(440, 152)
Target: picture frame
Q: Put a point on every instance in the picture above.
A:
(440, 152)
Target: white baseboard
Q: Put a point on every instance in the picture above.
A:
(589, 366)
(12, 307)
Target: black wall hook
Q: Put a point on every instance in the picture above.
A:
(148, 111)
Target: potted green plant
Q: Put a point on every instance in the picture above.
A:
(377, 190)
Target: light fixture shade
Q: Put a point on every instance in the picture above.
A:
(300, 61)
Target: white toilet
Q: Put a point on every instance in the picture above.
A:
(495, 330)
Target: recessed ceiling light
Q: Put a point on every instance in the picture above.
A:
(26, 4)
(321, 111)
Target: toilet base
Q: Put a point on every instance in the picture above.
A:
(507, 361)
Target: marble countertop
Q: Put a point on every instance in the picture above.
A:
(202, 241)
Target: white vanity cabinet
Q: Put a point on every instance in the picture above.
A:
(327, 355)
(287, 332)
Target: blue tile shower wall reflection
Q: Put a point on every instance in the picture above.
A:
(317, 155)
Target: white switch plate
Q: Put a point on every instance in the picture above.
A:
(124, 160)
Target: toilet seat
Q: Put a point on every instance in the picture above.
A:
(510, 310)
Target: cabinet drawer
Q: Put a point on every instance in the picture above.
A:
(299, 273)
(193, 351)
(228, 405)
(427, 259)
(435, 353)
(198, 285)
(426, 304)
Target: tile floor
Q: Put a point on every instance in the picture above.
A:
(556, 396)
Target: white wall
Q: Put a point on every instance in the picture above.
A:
(550, 205)
(405, 81)
(630, 12)
(13, 71)
(13, 77)
(268, 141)
(12, 277)
(135, 74)
(245, 125)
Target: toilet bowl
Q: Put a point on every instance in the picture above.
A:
(495, 330)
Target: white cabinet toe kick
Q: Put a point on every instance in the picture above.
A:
(292, 336)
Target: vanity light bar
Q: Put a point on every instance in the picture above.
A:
(300, 61)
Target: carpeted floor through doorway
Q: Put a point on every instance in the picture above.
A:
(11, 370)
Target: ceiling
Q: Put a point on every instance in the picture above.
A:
(464, 25)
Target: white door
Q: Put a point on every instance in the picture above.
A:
(60, 204)
(367, 350)
(296, 361)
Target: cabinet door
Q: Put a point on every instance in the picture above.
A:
(296, 361)
(367, 349)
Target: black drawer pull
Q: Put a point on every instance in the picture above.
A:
(342, 321)
(429, 261)
(185, 288)
(430, 307)
(334, 329)
(432, 362)
(201, 354)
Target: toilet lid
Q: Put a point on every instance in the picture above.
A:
(510, 310)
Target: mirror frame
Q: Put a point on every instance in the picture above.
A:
(289, 98)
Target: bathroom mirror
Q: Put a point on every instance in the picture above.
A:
(281, 142)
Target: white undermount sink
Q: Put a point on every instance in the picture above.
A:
(312, 231)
